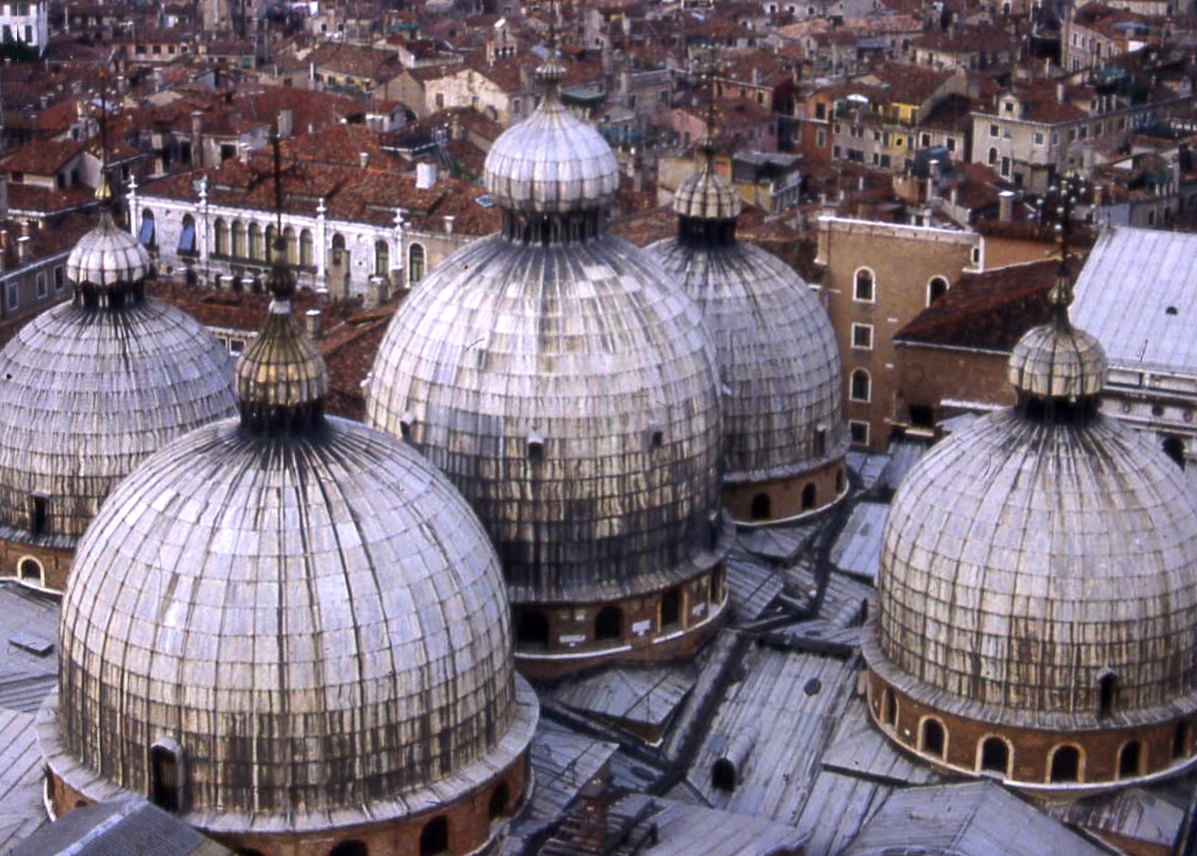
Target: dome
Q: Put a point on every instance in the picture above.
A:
(552, 162)
(778, 359)
(569, 389)
(106, 256)
(88, 391)
(1022, 561)
(329, 601)
(569, 392)
(1058, 362)
(301, 613)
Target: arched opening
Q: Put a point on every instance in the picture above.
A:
(497, 807)
(382, 258)
(187, 237)
(762, 507)
(415, 263)
(717, 585)
(305, 248)
(1107, 687)
(723, 775)
(1181, 738)
(239, 249)
(936, 288)
(531, 628)
(993, 156)
(1174, 448)
(146, 235)
(1065, 765)
(861, 386)
(350, 848)
(271, 243)
(995, 755)
(839, 482)
(30, 570)
(864, 286)
(165, 777)
(934, 740)
(671, 608)
(1130, 759)
(889, 705)
(39, 506)
(808, 497)
(434, 838)
(291, 242)
(257, 249)
(220, 234)
(608, 624)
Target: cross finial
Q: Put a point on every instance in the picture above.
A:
(709, 68)
(1058, 207)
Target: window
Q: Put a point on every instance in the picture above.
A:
(820, 110)
(820, 139)
(531, 628)
(995, 756)
(608, 624)
(30, 570)
(671, 608)
(1038, 138)
(239, 239)
(951, 144)
(889, 708)
(166, 775)
(1181, 738)
(992, 157)
(497, 807)
(864, 286)
(434, 837)
(761, 507)
(14, 298)
(1065, 765)
(925, 140)
(1107, 691)
(187, 236)
(859, 432)
(861, 386)
(221, 231)
(59, 278)
(257, 248)
(40, 283)
(933, 740)
(349, 848)
(936, 288)
(808, 497)
(291, 246)
(305, 248)
(415, 263)
(146, 234)
(994, 131)
(382, 258)
(862, 336)
(1130, 759)
(440, 100)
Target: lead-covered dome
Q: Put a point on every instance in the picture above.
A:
(92, 386)
(778, 359)
(568, 388)
(552, 162)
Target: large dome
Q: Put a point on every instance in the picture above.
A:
(570, 393)
(93, 385)
(1022, 562)
(778, 359)
(327, 609)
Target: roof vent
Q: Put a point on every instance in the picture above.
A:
(1171, 310)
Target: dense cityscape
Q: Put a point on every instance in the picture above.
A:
(598, 428)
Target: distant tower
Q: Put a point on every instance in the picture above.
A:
(784, 435)
(1037, 595)
(290, 630)
(569, 389)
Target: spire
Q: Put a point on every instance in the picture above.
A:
(551, 72)
(281, 378)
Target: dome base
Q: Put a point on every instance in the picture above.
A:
(554, 640)
(1044, 760)
(771, 502)
(40, 563)
(473, 802)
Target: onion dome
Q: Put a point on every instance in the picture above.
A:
(553, 162)
(94, 384)
(1040, 569)
(318, 635)
(778, 358)
(564, 383)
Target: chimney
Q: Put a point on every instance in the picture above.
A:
(197, 138)
(23, 243)
(377, 294)
(456, 129)
(425, 175)
(243, 152)
(363, 159)
(449, 218)
(1006, 205)
(313, 324)
(286, 123)
(1060, 93)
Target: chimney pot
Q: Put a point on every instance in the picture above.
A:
(313, 319)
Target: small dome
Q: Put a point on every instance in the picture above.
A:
(317, 621)
(552, 162)
(706, 195)
(87, 392)
(107, 256)
(570, 392)
(1058, 361)
(1023, 559)
(281, 368)
(778, 359)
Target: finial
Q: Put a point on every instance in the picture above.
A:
(103, 189)
(551, 72)
(1057, 207)
(707, 146)
(281, 280)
